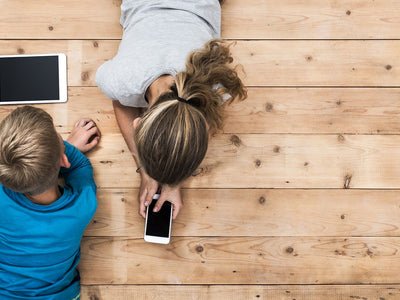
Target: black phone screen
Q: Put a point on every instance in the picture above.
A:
(29, 78)
(158, 222)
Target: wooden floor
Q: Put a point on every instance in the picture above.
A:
(298, 199)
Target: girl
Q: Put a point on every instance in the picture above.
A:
(183, 103)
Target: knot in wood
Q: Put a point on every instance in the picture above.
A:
(199, 249)
(51, 28)
(85, 76)
(277, 149)
(261, 200)
(269, 107)
(95, 44)
(388, 67)
(289, 250)
(235, 140)
(258, 163)
(20, 51)
(347, 181)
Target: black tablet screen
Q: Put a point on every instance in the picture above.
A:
(29, 78)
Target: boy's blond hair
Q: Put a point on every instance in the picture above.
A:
(29, 151)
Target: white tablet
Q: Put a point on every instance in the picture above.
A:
(29, 79)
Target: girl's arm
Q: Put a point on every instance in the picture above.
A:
(125, 116)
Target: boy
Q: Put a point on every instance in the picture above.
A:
(42, 223)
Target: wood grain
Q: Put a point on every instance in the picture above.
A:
(314, 19)
(270, 161)
(319, 63)
(316, 110)
(246, 212)
(241, 260)
(83, 102)
(99, 19)
(291, 202)
(267, 110)
(266, 63)
(240, 292)
(83, 56)
(74, 19)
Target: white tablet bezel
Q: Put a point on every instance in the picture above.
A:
(62, 80)
(153, 238)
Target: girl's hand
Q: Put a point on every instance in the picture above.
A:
(85, 135)
(148, 187)
(173, 195)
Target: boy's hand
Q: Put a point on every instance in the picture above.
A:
(85, 135)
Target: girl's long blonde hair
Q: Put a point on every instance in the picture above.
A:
(172, 136)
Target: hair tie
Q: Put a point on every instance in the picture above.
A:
(181, 99)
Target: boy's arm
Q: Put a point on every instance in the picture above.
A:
(84, 137)
(80, 173)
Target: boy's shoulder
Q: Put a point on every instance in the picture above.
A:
(6, 195)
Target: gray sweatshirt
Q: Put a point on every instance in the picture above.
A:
(157, 37)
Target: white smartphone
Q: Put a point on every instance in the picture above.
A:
(30, 79)
(158, 224)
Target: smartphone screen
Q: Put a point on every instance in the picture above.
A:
(29, 78)
(158, 223)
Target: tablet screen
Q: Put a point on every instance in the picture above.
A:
(30, 78)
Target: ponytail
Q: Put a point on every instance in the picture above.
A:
(208, 77)
(172, 136)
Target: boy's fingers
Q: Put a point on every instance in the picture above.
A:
(90, 125)
(93, 131)
(93, 143)
(82, 122)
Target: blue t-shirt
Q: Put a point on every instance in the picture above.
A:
(39, 244)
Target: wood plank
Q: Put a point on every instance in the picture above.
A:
(267, 110)
(241, 260)
(252, 19)
(73, 19)
(83, 56)
(313, 19)
(83, 102)
(270, 161)
(266, 63)
(236, 292)
(319, 63)
(258, 213)
(316, 110)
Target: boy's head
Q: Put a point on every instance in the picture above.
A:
(29, 151)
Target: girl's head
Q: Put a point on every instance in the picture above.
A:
(172, 136)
